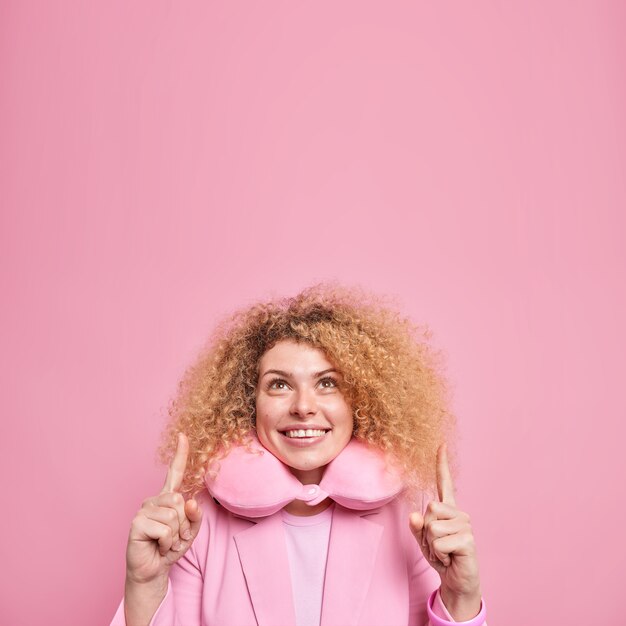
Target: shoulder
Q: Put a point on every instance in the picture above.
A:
(207, 503)
(395, 517)
(212, 514)
(217, 521)
(397, 510)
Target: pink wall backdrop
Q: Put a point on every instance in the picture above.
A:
(163, 163)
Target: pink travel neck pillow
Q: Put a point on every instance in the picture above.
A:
(254, 483)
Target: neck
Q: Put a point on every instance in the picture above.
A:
(308, 477)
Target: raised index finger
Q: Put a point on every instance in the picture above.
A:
(445, 486)
(174, 478)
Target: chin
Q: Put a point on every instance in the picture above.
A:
(305, 464)
(299, 462)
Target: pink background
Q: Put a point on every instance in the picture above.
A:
(162, 163)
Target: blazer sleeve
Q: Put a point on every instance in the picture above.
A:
(423, 581)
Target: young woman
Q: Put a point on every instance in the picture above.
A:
(304, 440)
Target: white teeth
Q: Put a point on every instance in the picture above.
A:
(304, 433)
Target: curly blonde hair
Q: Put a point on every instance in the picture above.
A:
(391, 377)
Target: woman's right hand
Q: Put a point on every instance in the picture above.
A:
(164, 527)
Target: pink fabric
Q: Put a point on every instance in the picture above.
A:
(251, 481)
(438, 607)
(435, 616)
(307, 549)
(237, 572)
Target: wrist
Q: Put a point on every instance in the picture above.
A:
(463, 607)
(141, 600)
(156, 586)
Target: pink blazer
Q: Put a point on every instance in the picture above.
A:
(236, 573)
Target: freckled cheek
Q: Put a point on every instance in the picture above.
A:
(339, 410)
(267, 415)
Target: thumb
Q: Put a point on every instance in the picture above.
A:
(194, 515)
(416, 523)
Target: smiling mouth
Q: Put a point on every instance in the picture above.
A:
(303, 434)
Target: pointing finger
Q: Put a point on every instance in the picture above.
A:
(176, 471)
(445, 486)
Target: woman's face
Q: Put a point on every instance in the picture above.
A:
(302, 417)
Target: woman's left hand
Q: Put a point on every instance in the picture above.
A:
(445, 537)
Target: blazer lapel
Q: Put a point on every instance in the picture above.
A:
(263, 555)
(352, 551)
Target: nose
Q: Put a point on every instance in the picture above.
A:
(304, 403)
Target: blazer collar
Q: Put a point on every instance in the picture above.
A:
(263, 554)
(352, 550)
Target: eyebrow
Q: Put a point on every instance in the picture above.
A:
(288, 375)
